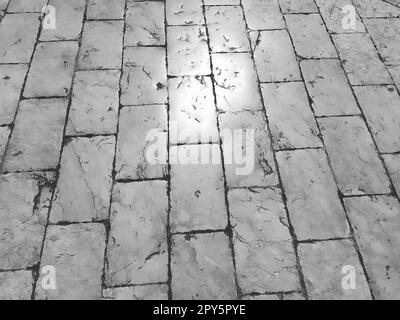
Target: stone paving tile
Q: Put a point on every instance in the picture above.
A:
(16, 285)
(137, 249)
(395, 73)
(274, 57)
(263, 14)
(360, 59)
(17, 37)
(393, 164)
(333, 13)
(105, 9)
(84, 185)
(227, 29)
(386, 35)
(282, 296)
(144, 76)
(69, 19)
(375, 8)
(147, 292)
(3, 7)
(95, 103)
(134, 147)
(236, 85)
(184, 12)
(101, 45)
(24, 207)
(265, 258)
(198, 204)
(328, 88)
(26, 5)
(192, 110)
(77, 253)
(376, 223)
(145, 24)
(323, 263)
(11, 81)
(310, 38)
(202, 267)
(261, 171)
(35, 142)
(51, 70)
(314, 206)
(221, 2)
(292, 122)
(381, 106)
(354, 158)
(188, 51)
(4, 134)
(296, 6)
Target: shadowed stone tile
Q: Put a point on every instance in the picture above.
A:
(353, 156)
(192, 110)
(376, 223)
(105, 9)
(381, 106)
(198, 203)
(4, 134)
(386, 35)
(137, 249)
(328, 88)
(77, 253)
(314, 206)
(236, 85)
(101, 45)
(202, 267)
(360, 59)
(51, 70)
(291, 120)
(263, 14)
(183, 12)
(69, 19)
(227, 29)
(26, 5)
(95, 103)
(134, 146)
(296, 6)
(260, 169)
(16, 285)
(275, 58)
(333, 12)
(147, 292)
(36, 139)
(376, 8)
(24, 206)
(144, 76)
(393, 164)
(322, 264)
(281, 296)
(145, 24)
(265, 258)
(310, 38)
(84, 186)
(11, 80)
(17, 37)
(188, 51)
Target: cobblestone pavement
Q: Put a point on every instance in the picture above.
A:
(77, 193)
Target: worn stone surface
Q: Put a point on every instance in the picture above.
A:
(263, 14)
(84, 186)
(393, 164)
(395, 73)
(376, 222)
(265, 259)
(24, 207)
(134, 146)
(376, 8)
(51, 70)
(4, 135)
(282, 296)
(184, 12)
(137, 246)
(295, 6)
(26, 5)
(77, 253)
(314, 207)
(95, 103)
(353, 156)
(202, 267)
(291, 120)
(323, 264)
(147, 292)
(16, 285)
(104, 9)
(35, 142)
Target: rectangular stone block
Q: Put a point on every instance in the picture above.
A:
(263, 14)
(184, 12)
(137, 250)
(105, 9)
(296, 6)
(376, 8)
(26, 5)
(16, 285)
(147, 292)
